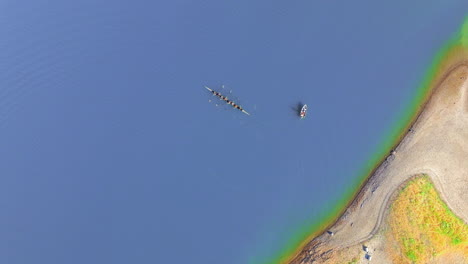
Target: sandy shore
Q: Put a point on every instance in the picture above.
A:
(436, 145)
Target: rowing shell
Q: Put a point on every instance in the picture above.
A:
(229, 102)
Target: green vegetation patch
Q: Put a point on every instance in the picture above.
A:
(422, 224)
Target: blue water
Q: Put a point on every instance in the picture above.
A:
(111, 153)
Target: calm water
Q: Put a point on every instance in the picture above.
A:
(111, 152)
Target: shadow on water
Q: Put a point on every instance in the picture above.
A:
(296, 109)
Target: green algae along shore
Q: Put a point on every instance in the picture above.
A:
(454, 53)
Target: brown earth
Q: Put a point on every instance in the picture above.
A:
(436, 145)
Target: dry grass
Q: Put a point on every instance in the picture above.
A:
(422, 228)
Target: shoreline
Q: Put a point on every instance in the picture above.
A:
(450, 56)
(372, 183)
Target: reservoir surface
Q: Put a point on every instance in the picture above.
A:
(113, 153)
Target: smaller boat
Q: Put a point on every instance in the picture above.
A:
(303, 111)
